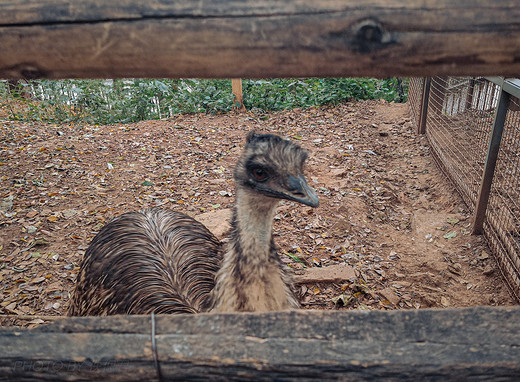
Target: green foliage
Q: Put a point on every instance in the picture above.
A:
(278, 94)
(130, 100)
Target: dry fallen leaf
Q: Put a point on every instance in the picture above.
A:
(31, 214)
(68, 195)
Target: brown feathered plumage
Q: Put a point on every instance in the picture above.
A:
(166, 262)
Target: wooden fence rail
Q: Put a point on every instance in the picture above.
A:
(473, 343)
(246, 39)
(233, 39)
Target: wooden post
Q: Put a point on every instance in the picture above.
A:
(425, 98)
(238, 97)
(491, 161)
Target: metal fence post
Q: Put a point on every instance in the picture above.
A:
(425, 98)
(491, 161)
(471, 92)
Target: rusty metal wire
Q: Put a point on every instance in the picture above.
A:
(415, 90)
(459, 121)
(502, 227)
(460, 117)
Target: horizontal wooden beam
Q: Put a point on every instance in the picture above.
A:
(464, 344)
(245, 38)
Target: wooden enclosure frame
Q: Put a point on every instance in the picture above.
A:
(414, 345)
(246, 39)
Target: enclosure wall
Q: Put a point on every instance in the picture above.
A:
(415, 90)
(461, 113)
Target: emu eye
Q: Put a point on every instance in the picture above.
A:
(259, 174)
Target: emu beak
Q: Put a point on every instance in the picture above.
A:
(299, 191)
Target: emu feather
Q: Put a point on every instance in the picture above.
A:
(166, 262)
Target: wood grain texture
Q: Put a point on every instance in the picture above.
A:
(238, 95)
(463, 344)
(232, 39)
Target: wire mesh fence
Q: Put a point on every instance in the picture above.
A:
(460, 119)
(415, 90)
(503, 214)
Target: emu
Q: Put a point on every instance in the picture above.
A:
(163, 261)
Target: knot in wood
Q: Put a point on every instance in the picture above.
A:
(369, 35)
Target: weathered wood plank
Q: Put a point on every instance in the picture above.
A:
(472, 343)
(231, 39)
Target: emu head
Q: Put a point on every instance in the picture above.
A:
(273, 167)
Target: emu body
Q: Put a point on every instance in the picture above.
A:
(166, 262)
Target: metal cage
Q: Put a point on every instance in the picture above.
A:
(473, 127)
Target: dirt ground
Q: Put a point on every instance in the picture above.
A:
(388, 219)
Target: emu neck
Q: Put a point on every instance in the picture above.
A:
(252, 226)
(251, 277)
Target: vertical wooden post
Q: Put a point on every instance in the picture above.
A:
(238, 98)
(425, 98)
(491, 161)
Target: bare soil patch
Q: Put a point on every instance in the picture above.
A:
(387, 214)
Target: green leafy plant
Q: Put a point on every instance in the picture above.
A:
(131, 100)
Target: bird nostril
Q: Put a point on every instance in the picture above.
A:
(294, 185)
